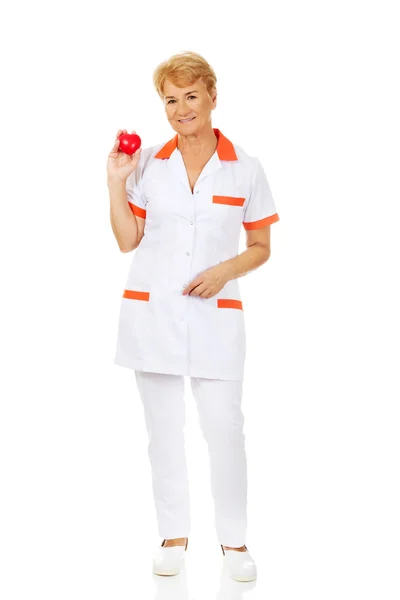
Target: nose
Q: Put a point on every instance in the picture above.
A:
(182, 110)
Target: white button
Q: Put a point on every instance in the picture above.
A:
(191, 222)
(184, 285)
(182, 318)
(187, 253)
(197, 191)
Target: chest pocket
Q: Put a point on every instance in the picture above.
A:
(228, 211)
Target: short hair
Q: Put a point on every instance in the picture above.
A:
(182, 69)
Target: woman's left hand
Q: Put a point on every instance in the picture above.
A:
(208, 283)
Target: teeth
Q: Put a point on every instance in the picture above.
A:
(185, 120)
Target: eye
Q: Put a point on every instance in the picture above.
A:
(169, 101)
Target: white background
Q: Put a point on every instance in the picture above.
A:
(312, 89)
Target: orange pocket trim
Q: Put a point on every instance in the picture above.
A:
(261, 223)
(232, 200)
(139, 212)
(227, 303)
(134, 295)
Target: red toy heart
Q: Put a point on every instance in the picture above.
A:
(129, 143)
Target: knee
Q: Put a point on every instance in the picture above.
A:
(222, 429)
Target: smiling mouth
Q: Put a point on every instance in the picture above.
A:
(186, 120)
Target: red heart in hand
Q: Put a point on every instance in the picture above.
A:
(129, 142)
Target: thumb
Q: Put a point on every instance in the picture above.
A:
(136, 155)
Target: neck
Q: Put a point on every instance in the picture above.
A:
(199, 142)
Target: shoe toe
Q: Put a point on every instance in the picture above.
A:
(168, 560)
(240, 565)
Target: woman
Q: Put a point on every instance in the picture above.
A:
(182, 204)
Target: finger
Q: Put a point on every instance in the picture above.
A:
(136, 155)
(196, 290)
(120, 131)
(190, 287)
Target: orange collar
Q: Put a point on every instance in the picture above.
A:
(225, 147)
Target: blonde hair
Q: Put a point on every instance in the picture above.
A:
(182, 69)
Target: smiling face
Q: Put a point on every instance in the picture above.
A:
(191, 102)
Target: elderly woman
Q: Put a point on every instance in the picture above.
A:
(181, 205)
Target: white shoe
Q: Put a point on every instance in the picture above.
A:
(169, 559)
(239, 565)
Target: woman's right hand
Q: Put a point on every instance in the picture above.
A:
(119, 164)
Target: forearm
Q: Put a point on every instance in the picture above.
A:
(123, 221)
(247, 261)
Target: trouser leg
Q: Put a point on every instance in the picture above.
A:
(222, 421)
(162, 397)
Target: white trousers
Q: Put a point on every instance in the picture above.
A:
(221, 420)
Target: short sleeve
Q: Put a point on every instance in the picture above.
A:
(260, 209)
(134, 194)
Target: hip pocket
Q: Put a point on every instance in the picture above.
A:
(134, 329)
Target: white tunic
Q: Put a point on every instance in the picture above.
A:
(159, 329)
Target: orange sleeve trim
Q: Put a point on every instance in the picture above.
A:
(232, 200)
(134, 295)
(227, 303)
(261, 223)
(139, 212)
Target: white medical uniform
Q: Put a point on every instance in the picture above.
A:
(160, 330)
